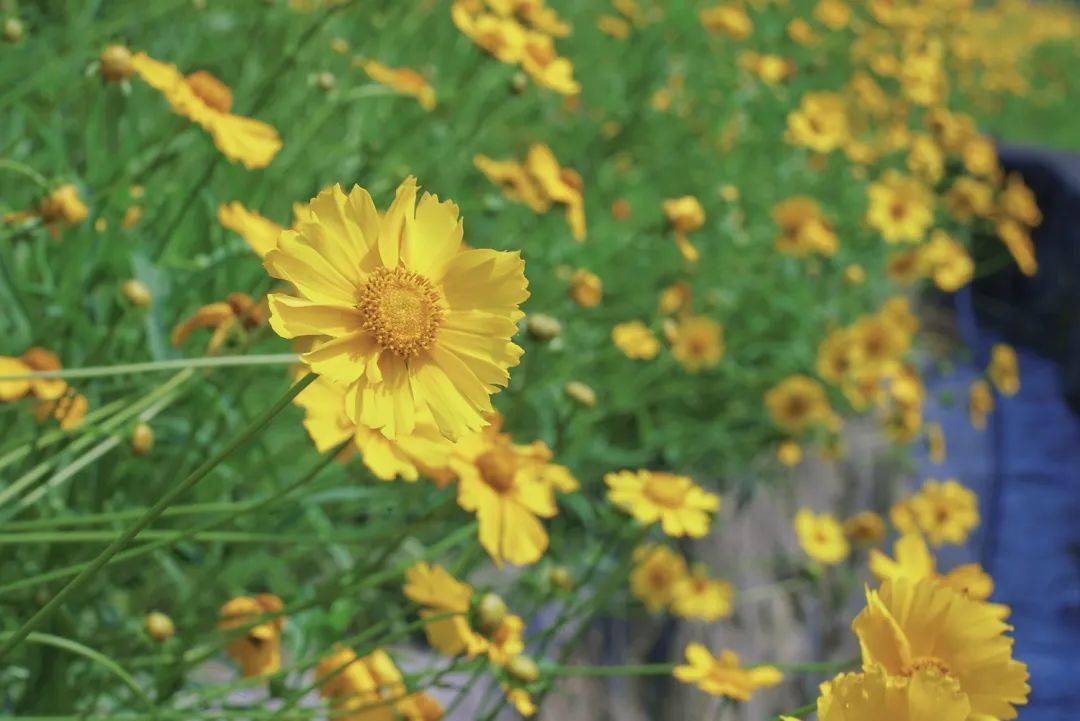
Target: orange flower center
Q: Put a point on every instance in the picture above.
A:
(926, 662)
(665, 490)
(497, 469)
(401, 309)
(210, 90)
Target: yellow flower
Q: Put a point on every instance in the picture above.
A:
(421, 707)
(261, 234)
(865, 528)
(61, 207)
(515, 181)
(925, 159)
(803, 228)
(581, 393)
(115, 63)
(423, 451)
(1018, 202)
(238, 310)
(789, 453)
(833, 14)
(258, 648)
(616, 27)
(821, 537)
(969, 198)
(947, 261)
(681, 506)
(946, 511)
(586, 288)
(723, 675)
(69, 411)
(901, 208)
(442, 595)
(698, 343)
(546, 67)
(559, 184)
(926, 694)
(730, 20)
(1018, 241)
(698, 596)
(362, 689)
(854, 274)
(404, 80)
(935, 438)
(520, 699)
(878, 343)
(912, 625)
(820, 123)
(835, 355)
(206, 101)
(913, 560)
(1004, 369)
(802, 32)
(684, 215)
(798, 403)
(636, 340)
(980, 403)
(657, 571)
(980, 156)
(675, 298)
(509, 488)
(34, 360)
(398, 309)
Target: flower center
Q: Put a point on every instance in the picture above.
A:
(210, 90)
(401, 309)
(665, 490)
(497, 469)
(926, 662)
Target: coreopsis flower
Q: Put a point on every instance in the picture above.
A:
(1018, 242)
(913, 560)
(935, 440)
(207, 102)
(403, 80)
(503, 38)
(803, 228)
(237, 313)
(727, 19)
(924, 159)
(799, 403)
(510, 488)
(820, 123)
(514, 180)
(675, 298)
(901, 208)
(505, 640)
(925, 694)
(420, 707)
(789, 453)
(423, 451)
(767, 67)
(833, 14)
(724, 675)
(34, 360)
(69, 410)
(1004, 369)
(61, 207)
(684, 215)
(980, 156)
(821, 537)
(115, 63)
(361, 689)
(946, 511)
(908, 626)
(682, 507)
(586, 288)
(699, 596)
(947, 261)
(398, 309)
(835, 355)
(258, 647)
(440, 594)
(657, 571)
(559, 184)
(614, 26)
(1017, 201)
(980, 403)
(698, 343)
(636, 340)
(865, 528)
(802, 33)
(854, 274)
(969, 198)
(879, 343)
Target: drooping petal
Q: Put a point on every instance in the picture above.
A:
(293, 317)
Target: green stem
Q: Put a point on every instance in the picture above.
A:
(799, 712)
(24, 170)
(165, 365)
(150, 516)
(647, 669)
(66, 644)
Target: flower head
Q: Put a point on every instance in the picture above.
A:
(723, 675)
(901, 208)
(699, 596)
(257, 649)
(798, 403)
(657, 572)
(404, 80)
(698, 343)
(946, 511)
(1004, 370)
(681, 506)
(803, 228)
(821, 537)
(398, 310)
(440, 594)
(636, 340)
(684, 215)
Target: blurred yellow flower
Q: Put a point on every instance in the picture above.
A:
(614, 26)
(561, 185)
(727, 19)
(789, 453)
(684, 215)
(361, 689)
(909, 626)
(636, 340)
(947, 261)
(820, 123)
(1018, 241)
(946, 511)
(34, 360)
(803, 228)
(821, 537)
(207, 102)
(935, 438)
(833, 14)
(675, 298)
(969, 198)
(698, 343)
(723, 675)
(901, 208)
(586, 288)
(980, 403)
(237, 311)
(1004, 369)
(258, 647)
(798, 403)
(657, 571)
(69, 411)
(398, 309)
(698, 596)
(681, 506)
(865, 528)
(404, 80)
(444, 596)
(1017, 202)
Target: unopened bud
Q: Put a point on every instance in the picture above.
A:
(137, 293)
(543, 327)
(581, 393)
(325, 81)
(116, 63)
(561, 577)
(490, 612)
(142, 439)
(159, 626)
(523, 668)
(13, 30)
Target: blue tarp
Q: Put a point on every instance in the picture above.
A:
(1026, 465)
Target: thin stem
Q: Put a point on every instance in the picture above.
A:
(165, 365)
(800, 712)
(151, 515)
(647, 669)
(24, 170)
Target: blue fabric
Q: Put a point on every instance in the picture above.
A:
(1026, 465)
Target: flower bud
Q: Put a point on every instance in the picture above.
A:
(325, 81)
(581, 393)
(116, 63)
(142, 439)
(490, 612)
(159, 626)
(137, 293)
(13, 30)
(523, 668)
(560, 577)
(543, 327)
